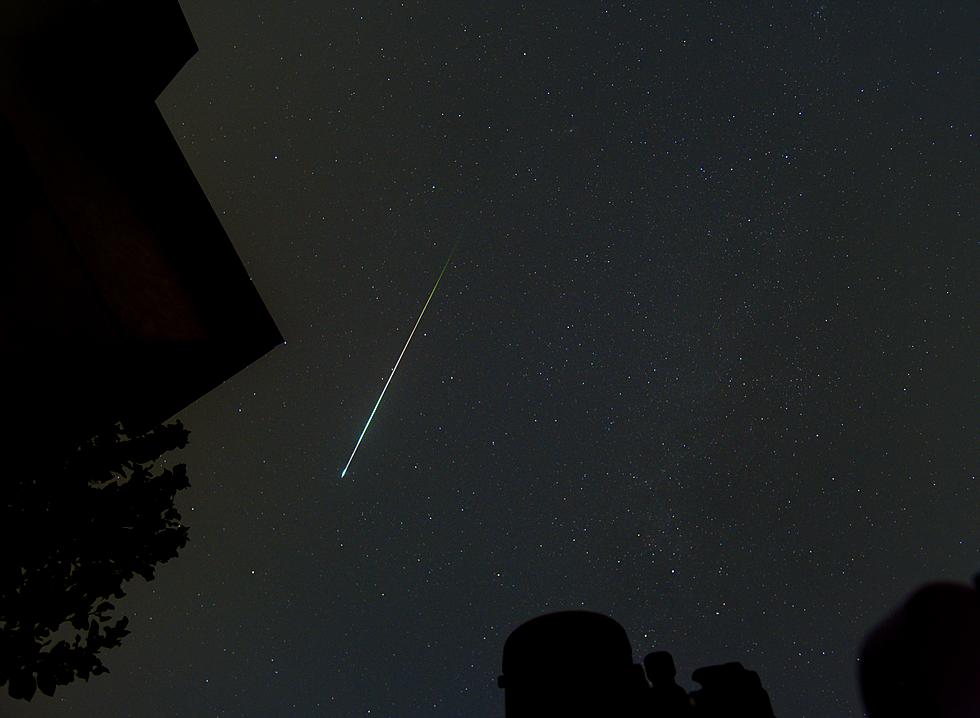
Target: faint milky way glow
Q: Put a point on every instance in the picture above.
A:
(398, 361)
(620, 412)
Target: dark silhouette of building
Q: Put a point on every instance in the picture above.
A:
(124, 301)
(124, 298)
(579, 664)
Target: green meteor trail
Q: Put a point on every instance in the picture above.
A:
(395, 368)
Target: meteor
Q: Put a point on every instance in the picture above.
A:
(398, 361)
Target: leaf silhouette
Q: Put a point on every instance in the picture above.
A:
(81, 521)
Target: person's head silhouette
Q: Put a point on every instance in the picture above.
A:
(924, 659)
(571, 663)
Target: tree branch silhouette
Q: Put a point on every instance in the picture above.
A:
(77, 525)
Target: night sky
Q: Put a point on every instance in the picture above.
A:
(704, 359)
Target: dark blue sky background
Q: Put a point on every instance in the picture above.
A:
(704, 359)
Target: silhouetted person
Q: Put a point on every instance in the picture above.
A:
(924, 659)
(575, 664)
(572, 663)
(730, 690)
(665, 697)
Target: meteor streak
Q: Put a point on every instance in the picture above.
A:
(395, 368)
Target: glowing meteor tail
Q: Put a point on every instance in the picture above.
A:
(398, 361)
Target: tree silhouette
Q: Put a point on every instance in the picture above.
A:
(75, 526)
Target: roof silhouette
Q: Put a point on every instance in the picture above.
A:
(130, 300)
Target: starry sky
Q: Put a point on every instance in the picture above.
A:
(703, 360)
